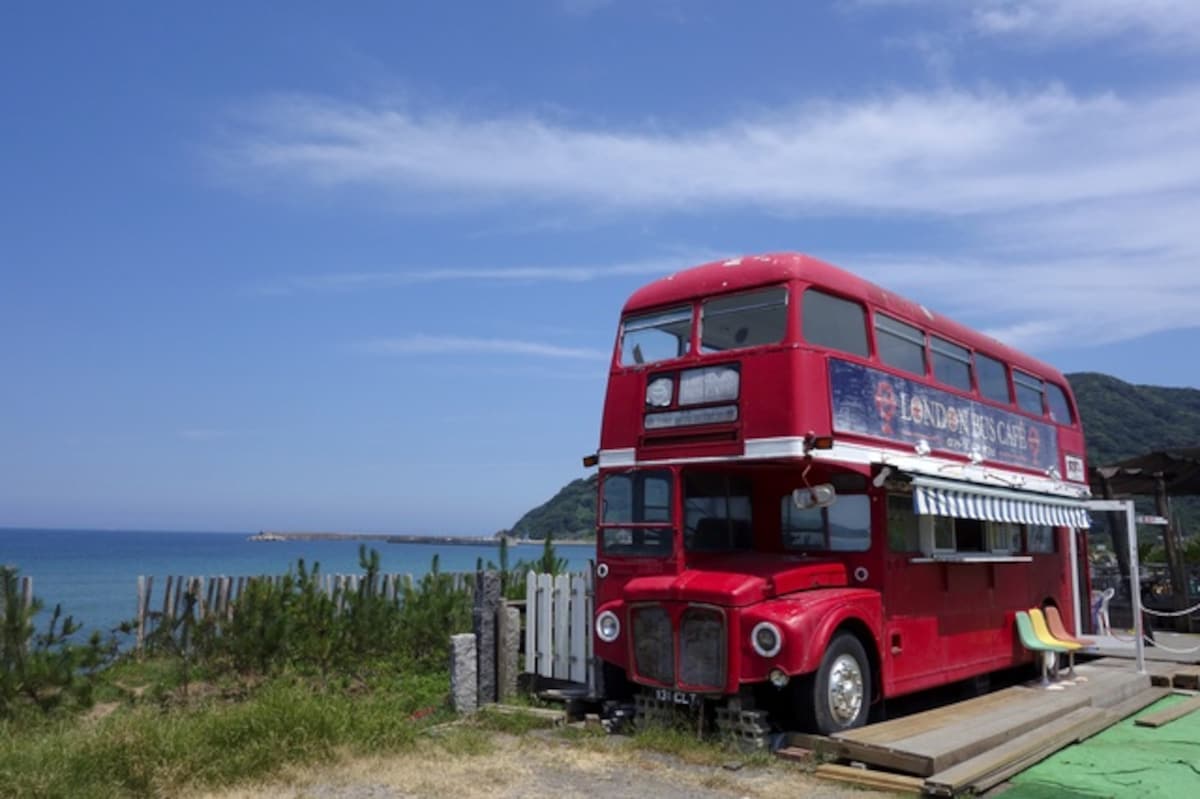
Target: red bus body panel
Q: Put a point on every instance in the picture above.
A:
(924, 622)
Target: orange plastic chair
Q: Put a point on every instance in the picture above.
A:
(1059, 630)
(1042, 631)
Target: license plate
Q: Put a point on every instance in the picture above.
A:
(677, 697)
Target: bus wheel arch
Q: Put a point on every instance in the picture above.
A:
(839, 695)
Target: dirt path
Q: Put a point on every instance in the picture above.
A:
(487, 764)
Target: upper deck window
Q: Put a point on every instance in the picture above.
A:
(993, 378)
(900, 345)
(833, 322)
(1029, 392)
(743, 320)
(656, 337)
(951, 363)
(1060, 409)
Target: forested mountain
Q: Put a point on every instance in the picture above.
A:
(571, 513)
(1120, 419)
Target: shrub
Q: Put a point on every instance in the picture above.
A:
(47, 670)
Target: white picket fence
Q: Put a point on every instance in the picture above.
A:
(558, 627)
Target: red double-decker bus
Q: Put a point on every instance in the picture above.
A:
(815, 494)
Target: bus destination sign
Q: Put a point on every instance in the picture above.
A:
(870, 402)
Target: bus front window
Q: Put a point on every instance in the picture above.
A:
(717, 513)
(636, 517)
(656, 337)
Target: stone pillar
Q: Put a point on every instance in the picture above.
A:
(487, 604)
(509, 619)
(464, 682)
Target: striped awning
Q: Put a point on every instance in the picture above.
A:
(935, 497)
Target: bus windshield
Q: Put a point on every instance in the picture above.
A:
(636, 513)
(716, 512)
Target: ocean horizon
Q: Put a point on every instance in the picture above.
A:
(93, 573)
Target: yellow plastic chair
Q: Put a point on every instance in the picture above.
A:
(1030, 641)
(1042, 631)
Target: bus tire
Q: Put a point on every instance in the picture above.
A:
(840, 698)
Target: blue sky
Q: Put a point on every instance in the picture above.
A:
(284, 267)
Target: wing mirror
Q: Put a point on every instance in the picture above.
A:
(821, 495)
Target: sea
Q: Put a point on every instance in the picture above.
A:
(93, 574)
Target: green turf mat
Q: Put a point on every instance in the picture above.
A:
(1123, 761)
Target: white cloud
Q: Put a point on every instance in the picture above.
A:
(354, 281)
(944, 153)
(1078, 209)
(1172, 23)
(421, 344)
(1159, 24)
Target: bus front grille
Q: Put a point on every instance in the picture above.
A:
(653, 652)
(702, 648)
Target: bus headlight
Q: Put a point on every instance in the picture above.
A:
(659, 392)
(608, 626)
(766, 639)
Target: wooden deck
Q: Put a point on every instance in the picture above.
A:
(977, 743)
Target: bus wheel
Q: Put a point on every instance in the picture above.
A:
(841, 688)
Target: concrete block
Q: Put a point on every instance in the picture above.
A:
(487, 603)
(464, 680)
(510, 652)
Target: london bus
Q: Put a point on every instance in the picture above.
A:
(815, 495)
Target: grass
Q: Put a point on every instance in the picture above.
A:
(148, 749)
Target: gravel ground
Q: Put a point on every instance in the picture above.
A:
(536, 766)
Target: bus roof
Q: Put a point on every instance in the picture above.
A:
(736, 274)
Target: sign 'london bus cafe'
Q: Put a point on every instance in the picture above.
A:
(869, 402)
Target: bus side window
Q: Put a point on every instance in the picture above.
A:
(903, 535)
(832, 322)
(951, 363)
(993, 380)
(1029, 392)
(899, 344)
(1060, 409)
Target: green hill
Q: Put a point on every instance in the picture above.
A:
(1121, 420)
(571, 513)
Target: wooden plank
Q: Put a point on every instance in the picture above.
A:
(1187, 677)
(545, 625)
(562, 627)
(589, 616)
(1086, 730)
(887, 757)
(871, 778)
(1040, 743)
(580, 631)
(1137, 702)
(1161, 717)
(960, 743)
(530, 623)
(935, 718)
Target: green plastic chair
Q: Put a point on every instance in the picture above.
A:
(1030, 641)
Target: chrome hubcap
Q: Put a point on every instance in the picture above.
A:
(845, 689)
